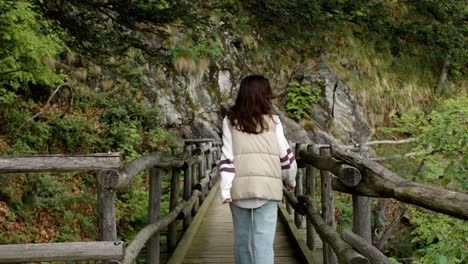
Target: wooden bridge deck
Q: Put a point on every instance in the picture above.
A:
(214, 240)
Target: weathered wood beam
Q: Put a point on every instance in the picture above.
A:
(311, 174)
(106, 211)
(348, 175)
(187, 211)
(378, 181)
(173, 202)
(116, 179)
(187, 185)
(344, 252)
(301, 208)
(98, 250)
(154, 211)
(198, 140)
(203, 184)
(362, 208)
(365, 248)
(298, 218)
(401, 141)
(201, 170)
(36, 163)
(403, 156)
(139, 241)
(328, 207)
(193, 160)
(186, 241)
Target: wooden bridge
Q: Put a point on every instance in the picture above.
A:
(199, 227)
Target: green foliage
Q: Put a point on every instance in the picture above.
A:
(384, 42)
(106, 115)
(27, 53)
(193, 57)
(438, 24)
(344, 211)
(48, 207)
(442, 238)
(442, 137)
(300, 99)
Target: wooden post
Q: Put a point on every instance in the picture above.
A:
(195, 171)
(328, 207)
(311, 173)
(154, 211)
(362, 208)
(201, 171)
(174, 201)
(107, 220)
(187, 184)
(298, 219)
(209, 162)
(289, 208)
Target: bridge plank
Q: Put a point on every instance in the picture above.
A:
(214, 241)
(99, 250)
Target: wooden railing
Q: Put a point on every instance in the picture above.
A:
(338, 169)
(341, 170)
(198, 160)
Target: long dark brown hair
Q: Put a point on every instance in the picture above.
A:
(252, 102)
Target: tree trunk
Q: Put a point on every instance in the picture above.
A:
(443, 75)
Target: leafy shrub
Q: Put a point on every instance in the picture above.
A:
(444, 244)
(26, 52)
(441, 136)
(300, 99)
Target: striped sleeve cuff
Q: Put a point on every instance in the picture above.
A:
(287, 160)
(227, 166)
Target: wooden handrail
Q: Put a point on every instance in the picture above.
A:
(348, 175)
(60, 162)
(96, 250)
(356, 175)
(352, 174)
(304, 205)
(199, 140)
(365, 248)
(381, 182)
(148, 231)
(114, 176)
(117, 179)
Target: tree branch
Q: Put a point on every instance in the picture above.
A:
(46, 105)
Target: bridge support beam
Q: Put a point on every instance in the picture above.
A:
(154, 211)
(106, 207)
(362, 208)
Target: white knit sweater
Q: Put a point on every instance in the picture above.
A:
(227, 170)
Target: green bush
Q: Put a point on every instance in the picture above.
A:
(300, 99)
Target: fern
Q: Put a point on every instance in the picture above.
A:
(300, 100)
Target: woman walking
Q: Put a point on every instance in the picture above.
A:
(256, 159)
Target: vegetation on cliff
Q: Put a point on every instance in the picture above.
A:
(394, 54)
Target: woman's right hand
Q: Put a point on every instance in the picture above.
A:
(228, 200)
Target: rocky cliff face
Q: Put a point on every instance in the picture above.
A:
(196, 103)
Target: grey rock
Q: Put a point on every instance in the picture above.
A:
(337, 119)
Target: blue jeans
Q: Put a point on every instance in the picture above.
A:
(254, 233)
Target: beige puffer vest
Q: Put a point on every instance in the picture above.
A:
(257, 163)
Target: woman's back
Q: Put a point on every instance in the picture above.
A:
(256, 157)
